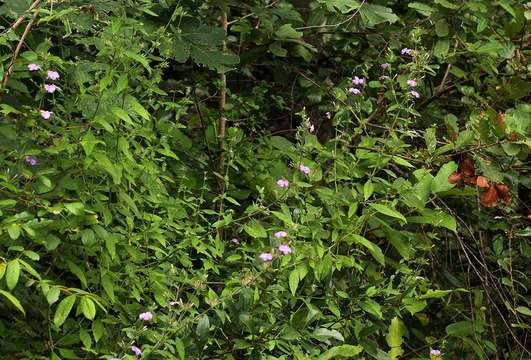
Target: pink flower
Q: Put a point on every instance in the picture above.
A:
(115, 358)
(146, 316)
(283, 183)
(136, 350)
(435, 352)
(34, 67)
(31, 160)
(311, 128)
(406, 51)
(415, 94)
(284, 249)
(304, 169)
(382, 78)
(52, 75)
(45, 114)
(354, 90)
(265, 257)
(281, 234)
(358, 81)
(50, 88)
(235, 241)
(385, 66)
(411, 83)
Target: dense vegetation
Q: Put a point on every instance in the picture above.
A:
(281, 179)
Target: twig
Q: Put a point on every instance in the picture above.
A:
(17, 50)
(251, 14)
(21, 18)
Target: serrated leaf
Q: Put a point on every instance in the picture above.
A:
(255, 229)
(394, 338)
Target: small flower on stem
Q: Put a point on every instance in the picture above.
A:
(281, 234)
(136, 350)
(285, 249)
(406, 51)
(52, 75)
(304, 169)
(45, 114)
(146, 316)
(235, 241)
(34, 67)
(328, 115)
(265, 257)
(357, 81)
(354, 90)
(283, 183)
(435, 352)
(50, 88)
(411, 83)
(415, 94)
(385, 66)
(31, 160)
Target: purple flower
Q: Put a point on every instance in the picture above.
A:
(435, 352)
(34, 67)
(304, 169)
(136, 350)
(283, 183)
(146, 316)
(52, 75)
(415, 94)
(235, 241)
(406, 51)
(311, 127)
(115, 358)
(358, 81)
(281, 234)
(31, 160)
(411, 83)
(382, 78)
(265, 257)
(284, 249)
(385, 66)
(45, 114)
(354, 90)
(50, 88)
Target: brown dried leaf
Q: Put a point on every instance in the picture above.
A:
(482, 182)
(490, 197)
(454, 178)
(504, 193)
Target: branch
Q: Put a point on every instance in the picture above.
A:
(21, 18)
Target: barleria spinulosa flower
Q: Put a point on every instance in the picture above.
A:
(136, 350)
(311, 128)
(328, 115)
(34, 67)
(406, 51)
(146, 316)
(45, 114)
(358, 81)
(415, 94)
(435, 352)
(285, 249)
(265, 257)
(283, 183)
(281, 234)
(52, 75)
(304, 169)
(411, 83)
(385, 66)
(354, 90)
(50, 88)
(31, 160)
(235, 241)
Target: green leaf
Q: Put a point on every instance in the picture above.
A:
(384, 209)
(441, 28)
(87, 307)
(374, 249)
(342, 351)
(106, 164)
(98, 330)
(219, 60)
(394, 338)
(121, 114)
(255, 229)
(421, 8)
(3, 267)
(179, 346)
(53, 295)
(139, 58)
(368, 189)
(139, 109)
(372, 307)
(524, 310)
(76, 208)
(181, 50)
(323, 334)
(435, 218)
(85, 338)
(108, 287)
(13, 301)
(441, 48)
(461, 329)
(286, 31)
(413, 305)
(12, 274)
(63, 309)
(440, 181)
(376, 14)
(435, 294)
(14, 231)
(203, 327)
(447, 4)
(295, 277)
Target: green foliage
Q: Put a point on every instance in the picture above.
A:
(128, 199)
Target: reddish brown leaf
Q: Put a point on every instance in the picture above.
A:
(467, 170)
(454, 178)
(504, 193)
(482, 182)
(490, 197)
